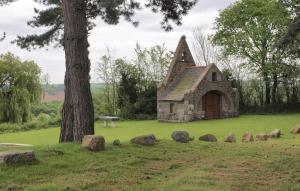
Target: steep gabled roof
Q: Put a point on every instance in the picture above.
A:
(182, 48)
(186, 82)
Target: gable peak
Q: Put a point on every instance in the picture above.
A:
(183, 53)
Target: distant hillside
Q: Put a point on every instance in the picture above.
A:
(55, 92)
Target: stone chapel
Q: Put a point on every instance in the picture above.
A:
(190, 92)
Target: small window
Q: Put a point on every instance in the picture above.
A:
(183, 56)
(171, 107)
(214, 76)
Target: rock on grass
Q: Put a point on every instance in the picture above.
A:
(208, 138)
(296, 130)
(276, 133)
(247, 137)
(230, 138)
(147, 140)
(261, 137)
(93, 143)
(181, 136)
(17, 157)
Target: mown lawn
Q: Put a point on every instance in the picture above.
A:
(168, 166)
(128, 129)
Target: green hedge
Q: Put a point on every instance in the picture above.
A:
(43, 121)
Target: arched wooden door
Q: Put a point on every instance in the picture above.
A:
(211, 104)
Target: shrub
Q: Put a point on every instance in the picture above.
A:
(43, 121)
(55, 121)
(117, 142)
(8, 127)
(44, 118)
(51, 109)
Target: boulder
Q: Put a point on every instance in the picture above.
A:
(147, 140)
(230, 138)
(261, 137)
(296, 130)
(276, 133)
(208, 138)
(181, 136)
(93, 143)
(247, 137)
(17, 157)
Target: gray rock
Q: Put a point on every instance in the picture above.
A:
(93, 143)
(261, 137)
(147, 140)
(208, 138)
(181, 136)
(230, 138)
(276, 133)
(17, 157)
(296, 130)
(247, 137)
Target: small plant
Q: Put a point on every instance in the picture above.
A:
(117, 142)
(192, 138)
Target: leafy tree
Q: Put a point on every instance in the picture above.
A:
(153, 62)
(67, 23)
(294, 28)
(107, 72)
(19, 88)
(128, 89)
(130, 86)
(250, 30)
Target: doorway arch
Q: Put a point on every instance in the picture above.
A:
(211, 104)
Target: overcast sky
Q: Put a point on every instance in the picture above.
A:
(121, 38)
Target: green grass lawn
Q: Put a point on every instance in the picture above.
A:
(167, 166)
(128, 129)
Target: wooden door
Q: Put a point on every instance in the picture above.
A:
(211, 105)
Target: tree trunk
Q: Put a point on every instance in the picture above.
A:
(268, 92)
(240, 91)
(294, 94)
(274, 88)
(287, 89)
(268, 88)
(78, 99)
(66, 131)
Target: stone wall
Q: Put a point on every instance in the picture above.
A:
(182, 111)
